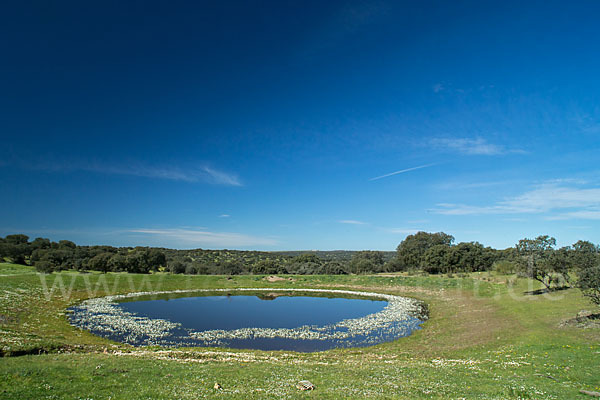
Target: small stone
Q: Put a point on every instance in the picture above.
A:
(305, 385)
(589, 393)
(218, 387)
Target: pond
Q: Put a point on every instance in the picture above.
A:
(266, 319)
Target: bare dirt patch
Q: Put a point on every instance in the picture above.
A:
(274, 278)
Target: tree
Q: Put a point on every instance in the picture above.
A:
(58, 259)
(470, 257)
(435, 259)
(366, 261)
(155, 258)
(40, 243)
(307, 268)
(537, 261)
(307, 258)
(267, 266)
(504, 267)
(16, 247)
(231, 268)
(136, 262)
(116, 262)
(66, 244)
(101, 262)
(585, 256)
(177, 267)
(304, 264)
(334, 268)
(16, 239)
(589, 283)
(16, 252)
(44, 266)
(411, 250)
(559, 263)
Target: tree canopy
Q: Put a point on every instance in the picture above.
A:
(411, 250)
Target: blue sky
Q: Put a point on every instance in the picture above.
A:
(299, 125)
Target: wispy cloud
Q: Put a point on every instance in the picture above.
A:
(202, 173)
(581, 214)
(461, 185)
(352, 222)
(471, 146)
(438, 87)
(566, 202)
(404, 231)
(219, 177)
(204, 238)
(402, 171)
(224, 216)
(587, 123)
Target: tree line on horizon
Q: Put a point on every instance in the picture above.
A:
(422, 252)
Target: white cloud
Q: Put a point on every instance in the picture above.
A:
(459, 185)
(582, 214)
(549, 197)
(565, 202)
(204, 174)
(463, 209)
(224, 216)
(187, 237)
(218, 177)
(352, 222)
(470, 146)
(199, 174)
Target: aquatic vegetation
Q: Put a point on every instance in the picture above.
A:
(104, 317)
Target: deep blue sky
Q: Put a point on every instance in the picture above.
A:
(278, 125)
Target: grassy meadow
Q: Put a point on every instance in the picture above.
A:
(486, 339)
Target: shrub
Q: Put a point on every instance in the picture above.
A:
(190, 269)
(589, 283)
(266, 267)
(177, 267)
(334, 268)
(44, 266)
(504, 267)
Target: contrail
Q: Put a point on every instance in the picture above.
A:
(401, 171)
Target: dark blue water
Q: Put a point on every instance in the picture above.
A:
(234, 312)
(198, 318)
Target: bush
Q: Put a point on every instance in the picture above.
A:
(177, 267)
(366, 261)
(304, 268)
(334, 268)
(504, 267)
(190, 269)
(230, 268)
(589, 283)
(44, 266)
(266, 267)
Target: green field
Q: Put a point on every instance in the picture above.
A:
(485, 339)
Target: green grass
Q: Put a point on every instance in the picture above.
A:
(485, 339)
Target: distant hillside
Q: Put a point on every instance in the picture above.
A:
(430, 252)
(332, 255)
